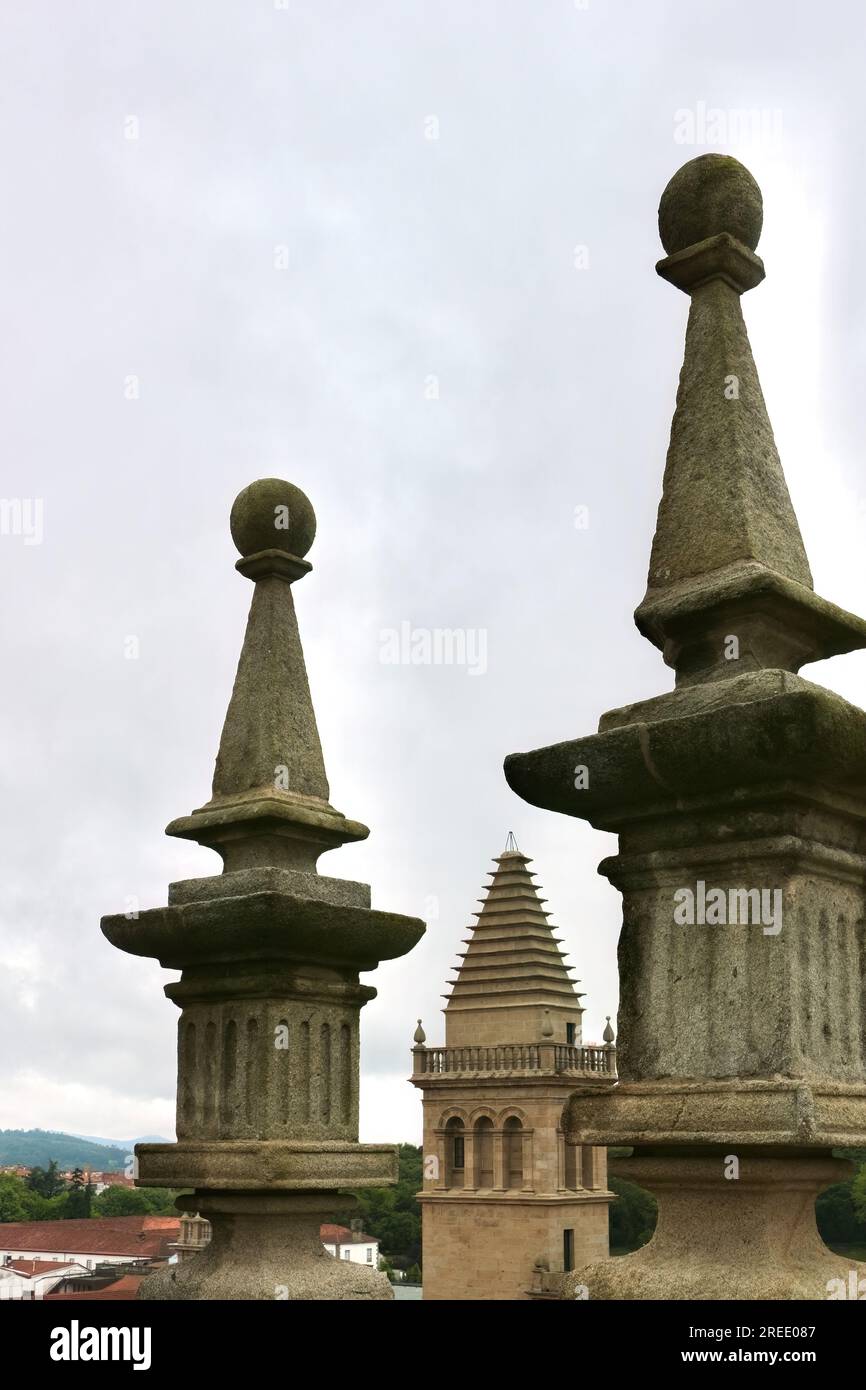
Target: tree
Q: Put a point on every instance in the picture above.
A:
(12, 1206)
(19, 1202)
(836, 1213)
(135, 1201)
(632, 1216)
(160, 1200)
(44, 1208)
(47, 1182)
(79, 1197)
(392, 1214)
(122, 1201)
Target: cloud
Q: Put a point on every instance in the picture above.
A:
(408, 259)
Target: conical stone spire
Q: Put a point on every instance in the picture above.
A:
(513, 969)
(725, 499)
(739, 800)
(727, 558)
(270, 803)
(268, 1045)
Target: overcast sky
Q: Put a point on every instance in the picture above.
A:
(402, 255)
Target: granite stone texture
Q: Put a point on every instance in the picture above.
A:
(270, 955)
(739, 800)
(711, 194)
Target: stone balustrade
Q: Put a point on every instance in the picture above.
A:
(508, 1058)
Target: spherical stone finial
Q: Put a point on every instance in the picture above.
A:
(273, 515)
(711, 194)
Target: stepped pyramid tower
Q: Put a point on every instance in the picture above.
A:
(513, 970)
(499, 1177)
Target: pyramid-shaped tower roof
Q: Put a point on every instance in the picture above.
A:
(513, 971)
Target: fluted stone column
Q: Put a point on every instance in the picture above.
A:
(742, 1024)
(270, 952)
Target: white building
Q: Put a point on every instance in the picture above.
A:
(33, 1279)
(352, 1245)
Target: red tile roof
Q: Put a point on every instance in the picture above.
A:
(31, 1267)
(338, 1235)
(127, 1287)
(334, 1235)
(139, 1237)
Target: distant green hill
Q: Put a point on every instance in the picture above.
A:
(35, 1148)
(126, 1144)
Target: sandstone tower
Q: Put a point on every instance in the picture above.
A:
(508, 1206)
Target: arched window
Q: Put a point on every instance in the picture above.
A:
(484, 1152)
(454, 1147)
(512, 1142)
(570, 1166)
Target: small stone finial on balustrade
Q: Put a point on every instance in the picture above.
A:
(419, 1051)
(547, 1051)
(608, 1036)
(270, 954)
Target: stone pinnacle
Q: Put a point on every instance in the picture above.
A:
(270, 797)
(747, 781)
(270, 954)
(728, 559)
